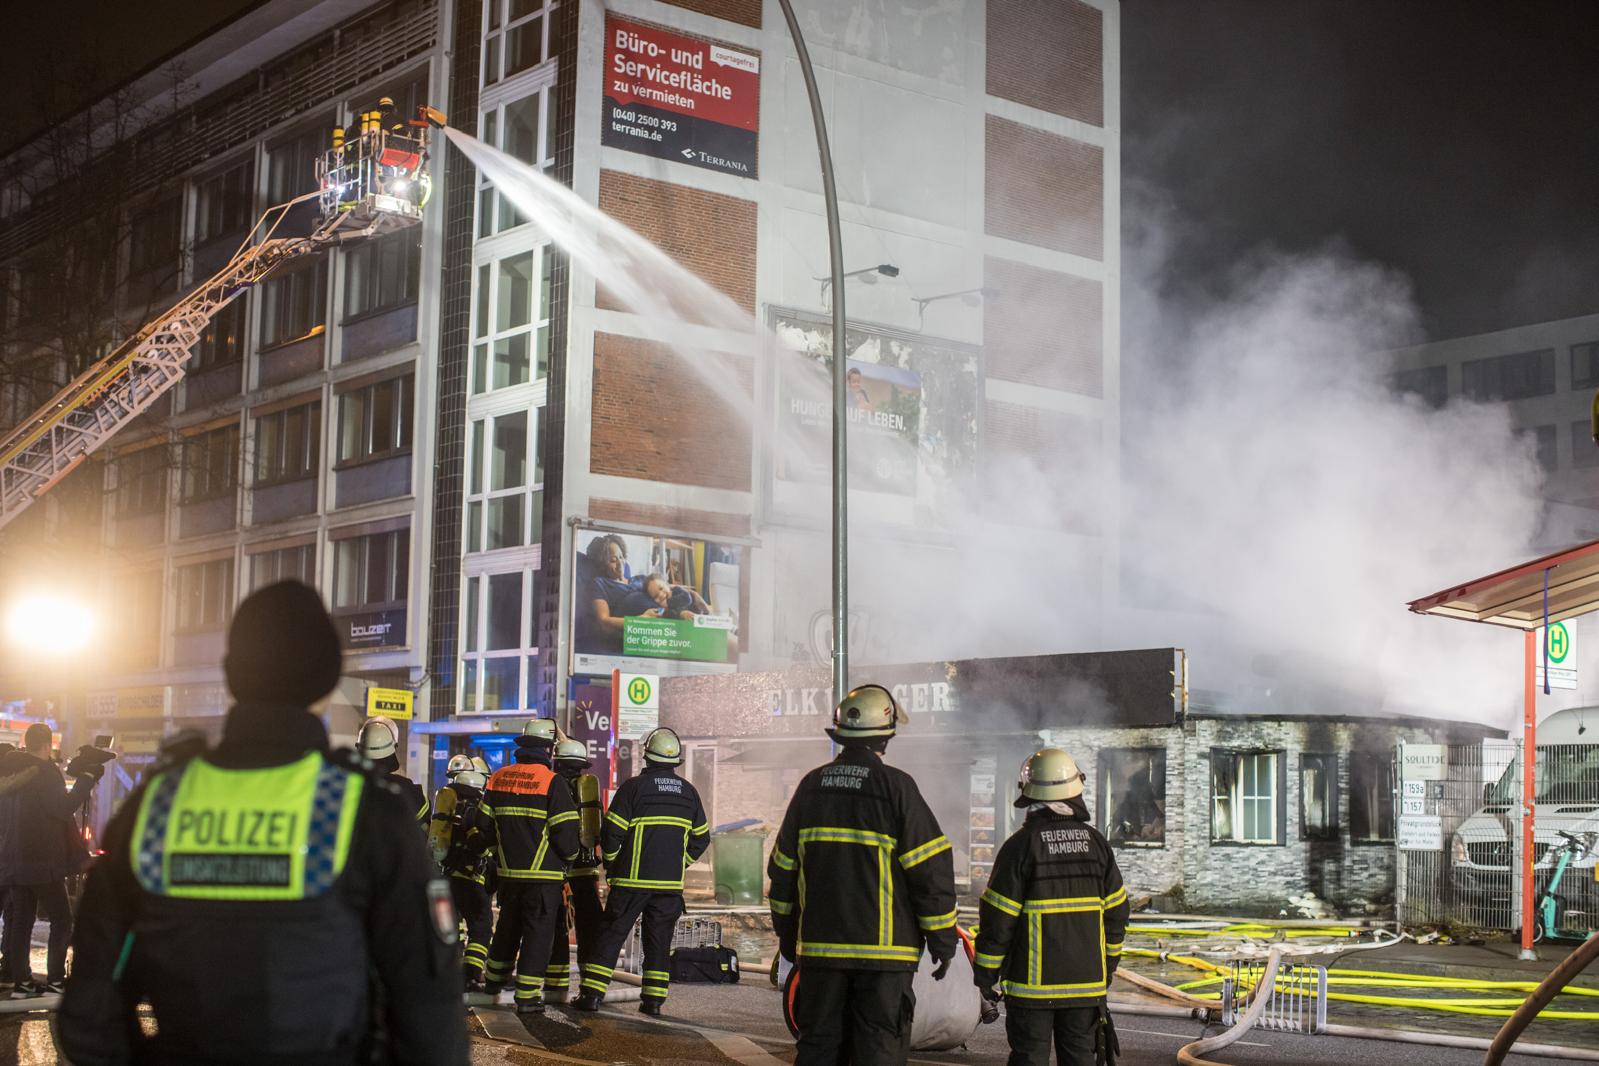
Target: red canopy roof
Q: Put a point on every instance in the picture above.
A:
(1515, 597)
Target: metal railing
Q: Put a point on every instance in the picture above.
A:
(1296, 1002)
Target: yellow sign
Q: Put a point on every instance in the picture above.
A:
(390, 703)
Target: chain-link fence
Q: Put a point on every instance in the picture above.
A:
(1459, 836)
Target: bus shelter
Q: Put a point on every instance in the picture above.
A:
(1528, 597)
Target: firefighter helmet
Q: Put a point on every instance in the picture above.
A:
(377, 739)
(541, 730)
(469, 778)
(457, 764)
(1050, 774)
(572, 751)
(662, 746)
(867, 711)
(481, 765)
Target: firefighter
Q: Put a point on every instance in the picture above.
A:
(583, 879)
(266, 899)
(862, 878)
(459, 840)
(534, 824)
(656, 828)
(379, 742)
(1059, 872)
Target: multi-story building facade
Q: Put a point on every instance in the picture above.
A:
(1545, 374)
(436, 428)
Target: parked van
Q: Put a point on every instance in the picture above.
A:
(1566, 798)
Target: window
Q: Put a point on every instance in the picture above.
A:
(1585, 365)
(142, 482)
(222, 341)
(1545, 442)
(1584, 452)
(136, 613)
(284, 564)
(153, 241)
(288, 444)
(1371, 798)
(1509, 377)
(518, 129)
(291, 165)
(222, 204)
(1132, 796)
(504, 495)
(511, 321)
(375, 421)
(205, 595)
(294, 305)
(382, 274)
(1318, 797)
(210, 465)
(1429, 383)
(499, 665)
(371, 572)
(1244, 792)
(517, 32)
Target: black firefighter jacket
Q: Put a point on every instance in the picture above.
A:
(861, 874)
(656, 828)
(1053, 917)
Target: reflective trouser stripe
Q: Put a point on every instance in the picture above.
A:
(500, 969)
(596, 977)
(655, 983)
(476, 953)
(529, 987)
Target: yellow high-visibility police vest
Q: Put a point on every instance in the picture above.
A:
(272, 833)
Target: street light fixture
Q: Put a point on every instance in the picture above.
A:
(49, 625)
(969, 297)
(868, 276)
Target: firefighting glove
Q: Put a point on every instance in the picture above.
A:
(943, 968)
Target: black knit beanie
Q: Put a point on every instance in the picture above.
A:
(282, 647)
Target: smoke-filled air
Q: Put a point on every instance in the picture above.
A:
(1276, 503)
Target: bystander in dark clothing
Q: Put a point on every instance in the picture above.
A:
(40, 847)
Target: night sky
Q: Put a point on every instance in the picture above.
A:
(1455, 140)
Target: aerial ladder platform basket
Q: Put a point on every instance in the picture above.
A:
(372, 183)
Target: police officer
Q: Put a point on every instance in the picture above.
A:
(879, 882)
(583, 878)
(379, 742)
(1058, 870)
(266, 899)
(656, 828)
(534, 824)
(459, 840)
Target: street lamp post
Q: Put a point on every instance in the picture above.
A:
(835, 247)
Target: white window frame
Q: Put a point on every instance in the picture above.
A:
(486, 333)
(540, 82)
(1244, 797)
(497, 29)
(471, 678)
(480, 493)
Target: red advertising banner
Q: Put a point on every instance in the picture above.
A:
(681, 98)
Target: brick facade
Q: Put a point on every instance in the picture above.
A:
(1048, 54)
(1044, 190)
(745, 12)
(653, 419)
(709, 234)
(1043, 328)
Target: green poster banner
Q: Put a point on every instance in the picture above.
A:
(673, 638)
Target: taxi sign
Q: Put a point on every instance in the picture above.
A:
(390, 703)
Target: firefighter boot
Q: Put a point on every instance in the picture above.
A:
(590, 1000)
(650, 1005)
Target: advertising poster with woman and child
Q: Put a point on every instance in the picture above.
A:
(652, 603)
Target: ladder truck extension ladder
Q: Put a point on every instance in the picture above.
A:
(373, 184)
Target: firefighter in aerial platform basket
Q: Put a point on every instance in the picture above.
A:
(458, 837)
(583, 879)
(267, 900)
(379, 742)
(1058, 876)
(534, 823)
(656, 828)
(879, 883)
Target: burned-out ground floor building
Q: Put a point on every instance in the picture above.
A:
(1209, 810)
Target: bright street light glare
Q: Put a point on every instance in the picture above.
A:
(50, 625)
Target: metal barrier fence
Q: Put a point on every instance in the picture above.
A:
(1458, 814)
(1297, 1004)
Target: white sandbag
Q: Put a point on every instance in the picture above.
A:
(948, 1011)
